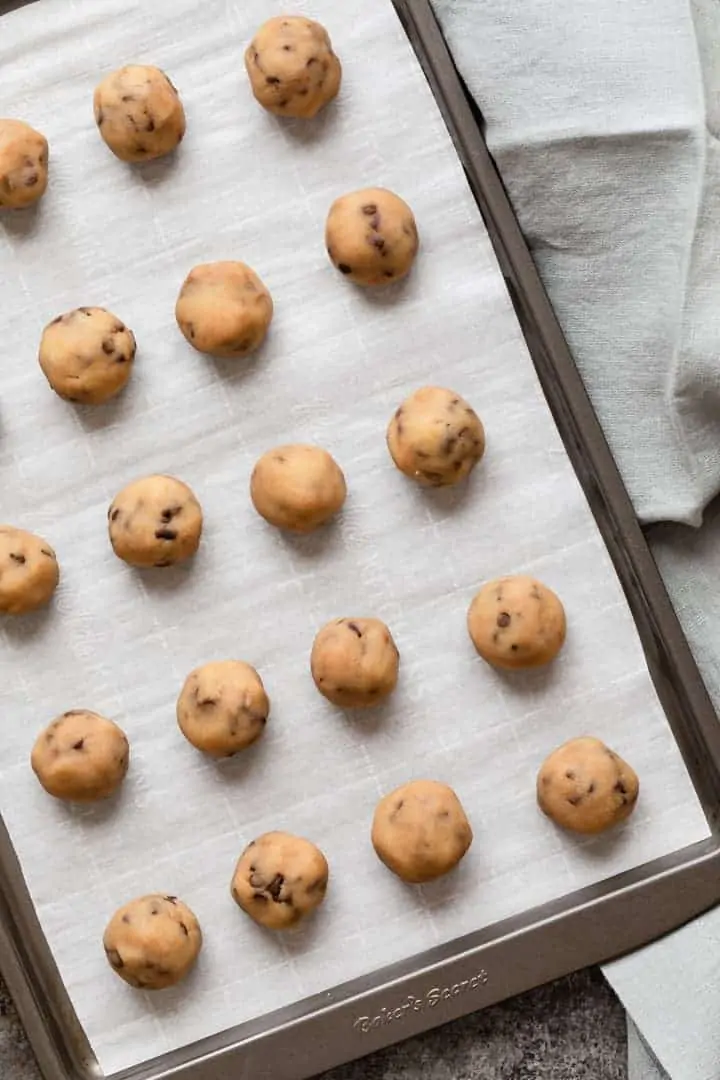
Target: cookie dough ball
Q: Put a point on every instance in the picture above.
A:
(355, 662)
(87, 355)
(292, 68)
(23, 164)
(224, 309)
(139, 113)
(516, 622)
(223, 707)
(156, 521)
(586, 787)
(153, 941)
(435, 437)
(279, 879)
(371, 236)
(297, 487)
(81, 757)
(420, 830)
(29, 571)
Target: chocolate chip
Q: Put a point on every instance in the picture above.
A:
(288, 48)
(377, 242)
(165, 534)
(207, 701)
(570, 774)
(79, 744)
(514, 647)
(388, 273)
(44, 551)
(17, 558)
(163, 563)
(591, 788)
(344, 268)
(260, 896)
(311, 61)
(170, 512)
(31, 180)
(370, 209)
(272, 80)
(355, 628)
(275, 886)
(115, 959)
(150, 126)
(108, 346)
(114, 514)
(235, 894)
(57, 319)
(184, 929)
(535, 593)
(171, 899)
(504, 618)
(127, 97)
(620, 787)
(575, 800)
(154, 910)
(126, 919)
(99, 116)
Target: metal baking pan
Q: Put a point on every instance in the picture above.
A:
(588, 926)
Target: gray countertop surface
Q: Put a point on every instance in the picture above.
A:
(573, 1029)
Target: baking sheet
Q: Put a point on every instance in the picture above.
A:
(336, 364)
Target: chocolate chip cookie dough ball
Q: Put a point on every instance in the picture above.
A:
(516, 622)
(586, 787)
(223, 707)
(139, 113)
(292, 68)
(371, 236)
(355, 662)
(87, 355)
(23, 165)
(280, 879)
(156, 521)
(81, 757)
(224, 309)
(29, 571)
(420, 830)
(435, 437)
(153, 941)
(297, 487)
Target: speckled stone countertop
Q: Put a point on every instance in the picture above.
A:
(573, 1029)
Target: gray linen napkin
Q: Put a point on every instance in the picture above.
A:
(604, 121)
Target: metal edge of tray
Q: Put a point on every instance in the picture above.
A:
(589, 926)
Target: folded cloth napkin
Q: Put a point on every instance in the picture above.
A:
(604, 121)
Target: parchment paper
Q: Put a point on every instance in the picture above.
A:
(337, 362)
